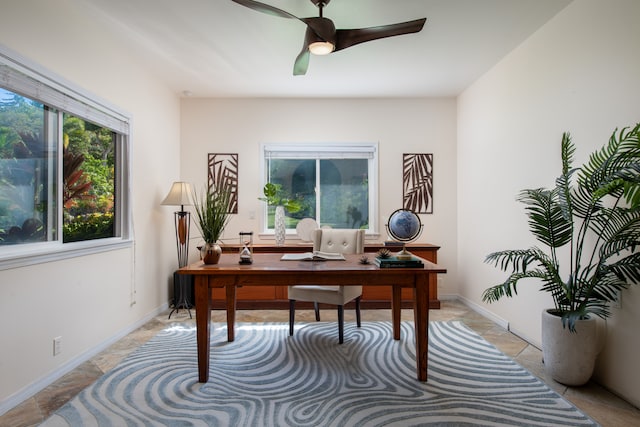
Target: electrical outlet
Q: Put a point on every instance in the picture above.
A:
(57, 345)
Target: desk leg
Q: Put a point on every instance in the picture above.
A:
(203, 322)
(421, 318)
(231, 312)
(396, 310)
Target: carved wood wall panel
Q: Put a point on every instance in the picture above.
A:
(417, 182)
(222, 170)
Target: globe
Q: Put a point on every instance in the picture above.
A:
(404, 225)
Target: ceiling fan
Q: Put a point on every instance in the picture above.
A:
(322, 37)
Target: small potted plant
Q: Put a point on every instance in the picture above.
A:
(212, 212)
(274, 195)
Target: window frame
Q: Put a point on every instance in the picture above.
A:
(28, 79)
(327, 150)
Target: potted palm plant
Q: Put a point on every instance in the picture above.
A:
(589, 228)
(213, 214)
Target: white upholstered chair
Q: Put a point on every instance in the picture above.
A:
(330, 240)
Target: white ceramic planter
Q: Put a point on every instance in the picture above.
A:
(569, 357)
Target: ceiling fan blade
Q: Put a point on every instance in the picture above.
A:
(301, 64)
(265, 8)
(348, 38)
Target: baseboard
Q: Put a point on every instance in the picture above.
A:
(535, 343)
(499, 320)
(37, 386)
(483, 311)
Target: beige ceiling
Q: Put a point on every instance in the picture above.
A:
(217, 48)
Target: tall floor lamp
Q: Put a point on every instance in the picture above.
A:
(180, 195)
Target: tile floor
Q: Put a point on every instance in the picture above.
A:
(601, 405)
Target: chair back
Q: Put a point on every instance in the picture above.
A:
(345, 241)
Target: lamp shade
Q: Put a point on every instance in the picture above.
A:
(179, 195)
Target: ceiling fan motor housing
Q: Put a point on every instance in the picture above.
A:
(323, 28)
(320, 3)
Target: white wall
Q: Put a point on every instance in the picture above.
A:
(579, 73)
(398, 125)
(90, 299)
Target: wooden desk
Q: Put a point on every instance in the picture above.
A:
(268, 268)
(373, 297)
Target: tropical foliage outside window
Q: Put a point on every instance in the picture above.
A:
(27, 212)
(30, 203)
(88, 180)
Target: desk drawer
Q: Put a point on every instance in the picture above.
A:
(251, 293)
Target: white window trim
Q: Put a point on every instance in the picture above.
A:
(87, 106)
(335, 150)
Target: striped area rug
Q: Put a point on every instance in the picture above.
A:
(266, 378)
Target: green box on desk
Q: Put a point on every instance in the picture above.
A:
(394, 262)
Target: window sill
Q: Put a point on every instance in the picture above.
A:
(25, 255)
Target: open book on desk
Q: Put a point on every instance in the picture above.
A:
(313, 256)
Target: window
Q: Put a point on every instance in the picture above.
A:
(88, 172)
(335, 184)
(63, 168)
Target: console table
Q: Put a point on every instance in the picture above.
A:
(373, 297)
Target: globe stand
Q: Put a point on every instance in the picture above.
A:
(404, 254)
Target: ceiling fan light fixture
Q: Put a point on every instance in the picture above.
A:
(321, 48)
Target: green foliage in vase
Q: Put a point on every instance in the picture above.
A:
(212, 212)
(274, 195)
(589, 222)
